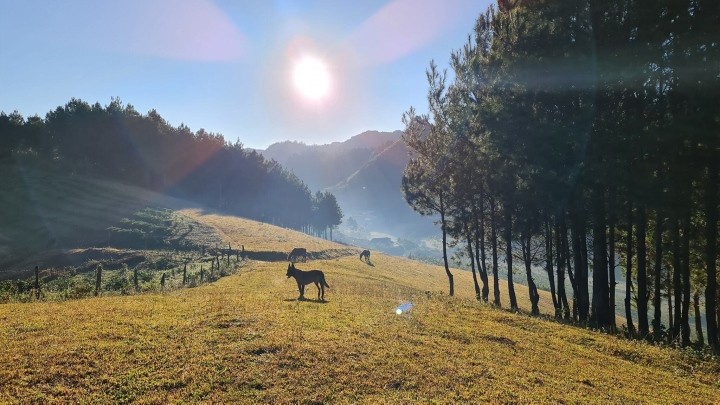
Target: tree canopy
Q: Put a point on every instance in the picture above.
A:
(586, 136)
(117, 142)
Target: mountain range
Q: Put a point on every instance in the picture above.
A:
(364, 173)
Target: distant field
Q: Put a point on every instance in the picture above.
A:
(245, 338)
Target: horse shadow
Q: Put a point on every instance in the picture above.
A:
(314, 301)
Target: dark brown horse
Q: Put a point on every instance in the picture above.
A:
(366, 254)
(304, 278)
(297, 253)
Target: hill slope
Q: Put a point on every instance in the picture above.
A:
(54, 220)
(245, 338)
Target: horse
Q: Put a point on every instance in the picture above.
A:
(296, 253)
(366, 254)
(306, 277)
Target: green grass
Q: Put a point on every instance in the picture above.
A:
(45, 211)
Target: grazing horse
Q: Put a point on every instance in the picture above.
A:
(297, 253)
(306, 277)
(366, 254)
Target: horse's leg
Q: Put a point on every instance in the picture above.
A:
(301, 288)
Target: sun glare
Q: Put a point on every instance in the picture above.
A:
(311, 78)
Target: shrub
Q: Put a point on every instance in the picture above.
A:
(121, 281)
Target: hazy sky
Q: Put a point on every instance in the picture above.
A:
(230, 66)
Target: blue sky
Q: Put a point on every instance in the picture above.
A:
(227, 66)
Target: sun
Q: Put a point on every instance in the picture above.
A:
(311, 78)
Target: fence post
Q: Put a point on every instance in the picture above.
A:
(37, 283)
(162, 282)
(185, 273)
(228, 255)
(98, 279)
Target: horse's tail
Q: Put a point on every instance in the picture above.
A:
(324, 282)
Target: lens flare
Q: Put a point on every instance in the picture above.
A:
(403, 308)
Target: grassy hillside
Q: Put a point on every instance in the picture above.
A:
(55, 220)
(48, 218)
(245, 338)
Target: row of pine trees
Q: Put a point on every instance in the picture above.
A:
(117, 142)
(582, 138)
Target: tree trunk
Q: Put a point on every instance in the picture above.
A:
(472, 262)
(611, 269)
(685, 315)
(573, 282)
(549, 268)
(444, 245)
(628, 272)
(657, 321)
(494, 242)
(559, 249)
(698, 319)
(671, 325)
(580, 264)
(711, 233)
(532, 288)
(509, 257)
(601, 295)
(642, 295)
(677, 284)
(584, 287)
(480, 250)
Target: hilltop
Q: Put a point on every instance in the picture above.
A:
(245, 337)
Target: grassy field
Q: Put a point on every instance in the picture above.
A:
(246, 338)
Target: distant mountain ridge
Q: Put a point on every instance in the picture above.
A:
(364, 173)
(374, 192)
(280, 151)
(323, 166)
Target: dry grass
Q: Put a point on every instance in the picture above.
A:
(258, 236)
(246, 339)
